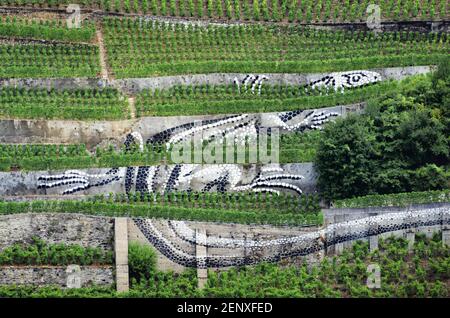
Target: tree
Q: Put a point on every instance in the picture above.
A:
(400, 144)
(346, 158)
(420, 139)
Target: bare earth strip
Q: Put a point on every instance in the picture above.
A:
(131, 103)
(101, 46)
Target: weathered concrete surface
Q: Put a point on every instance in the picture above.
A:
(57, 228)
(347, 214)
(63, 132)
(99, 231)
(201, 252)
(133, 85)
(149, 126)
(54, 83)
(121, 253)
(229, 230)
(54, 275)
(336, 215)
(103, 133)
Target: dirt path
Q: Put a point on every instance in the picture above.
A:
(102, 51)
(131, 102)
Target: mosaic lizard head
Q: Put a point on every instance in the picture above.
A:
(351, 79)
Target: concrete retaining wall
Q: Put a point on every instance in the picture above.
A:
(337, 215)
(135, 85)
(346, 214)
(21, 184)
(95, 231)
(103, 133)
(53, 228)
(63, 132)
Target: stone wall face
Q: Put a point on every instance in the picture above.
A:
(55, 275)
(57, 228)
(53, 228)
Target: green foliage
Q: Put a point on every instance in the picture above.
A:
(54, 157)
(223, 99)
(400, 145)
(141, 261)
(299, 147)
(424, 273)
(165, 285)
(312, 12)
(49, 30)
(11, 291)
(346, 158)
(198, 49)
(295, 147)
(307, 204)
(227, 215)
(398, 199)
(81, 104)
(41, 60)
(39, 252)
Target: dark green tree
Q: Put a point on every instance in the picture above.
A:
(347, 158)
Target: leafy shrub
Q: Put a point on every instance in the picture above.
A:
(397, 199)
(40, 252)
(141, 261)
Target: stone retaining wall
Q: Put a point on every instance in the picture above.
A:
(56, 275)
(57, 228)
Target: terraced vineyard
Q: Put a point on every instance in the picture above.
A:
(42, 60)
(294, 148)
(83, 104)
(270, 212)
(224, 148)
(145, 48)
(328, 11)
(222, 99)
(51, 30)
(289, 281)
